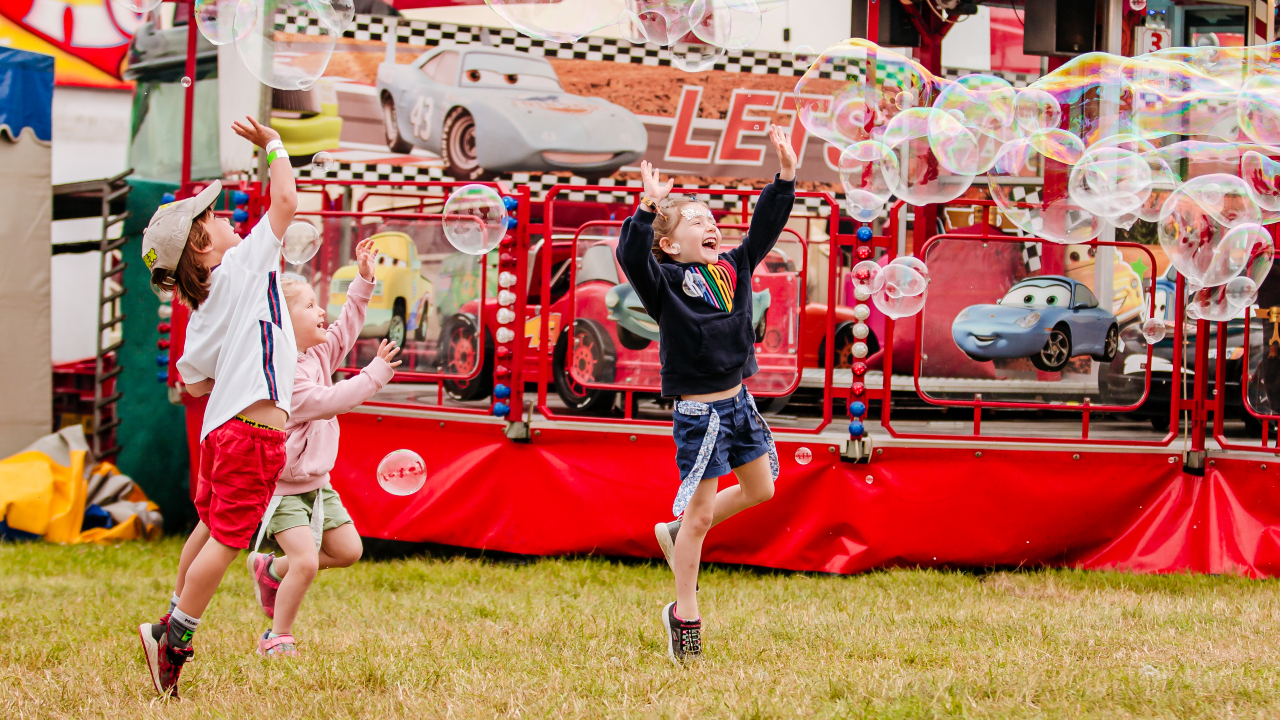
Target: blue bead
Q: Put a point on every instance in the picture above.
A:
(512, 222)
(167, 198)
(857, 409)
(162, 359)
(162, 376)
(501, 410)
(856, 430)
(502, 392)
(510, 203)
(240, 215)
(864, 233)
(239, 197)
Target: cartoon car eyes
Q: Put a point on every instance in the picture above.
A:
(393, 262)
(1037, 297)
(512, 79)
(473, 75)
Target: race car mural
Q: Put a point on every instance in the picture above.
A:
(486, 111)
(1048, 319)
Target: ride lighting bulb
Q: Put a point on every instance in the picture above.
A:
(504, 353)
(859, 348)
(857, 390)
(861, 295)
(505, 335)
(862, 312)
(506, 297)
(859, 369)
(501, 372)
(860, 330)
(864, 252)
(506, 279)
(505, 315)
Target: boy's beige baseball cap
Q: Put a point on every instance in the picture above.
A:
(166, 234)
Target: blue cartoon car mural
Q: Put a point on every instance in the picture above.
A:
(1048, 319)
(486, 110)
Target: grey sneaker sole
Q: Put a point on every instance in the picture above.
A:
(666, 631)
(664, 541)
(151, 650)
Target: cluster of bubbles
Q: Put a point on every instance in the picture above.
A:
(276, 53)
(1084, 147)
(475, 219)
(700, 33)
(402, 472)
(898, 289)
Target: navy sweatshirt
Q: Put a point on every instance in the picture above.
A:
(706, 343)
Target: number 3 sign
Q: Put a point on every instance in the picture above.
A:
(1149, 39)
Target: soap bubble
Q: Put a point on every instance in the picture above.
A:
(900, 306)
(902, 292)
(1242, 292)
(337, 14)
(138, 6)
(904, 100)
(697, 58)
(1210, 303)
(914, 263)
(1259, 109)
(1036, 110)
(1153, 330)
(661, 22)
(732, 24)
(301, 242)
(1052, 216)
(864, 171)
(1262, 176)
(281, 59)
(845, 111)
(1110, 181)
(475, 220)
(562, 21)
(804, 56)
(804, 456)
(867, 276)
(1205, 252)
(1226, 198)
(925, 177)
(218, 20)
(402, 472)
(185, 81)
(324, 162)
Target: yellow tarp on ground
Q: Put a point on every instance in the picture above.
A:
(39, 496)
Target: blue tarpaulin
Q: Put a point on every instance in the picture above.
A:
(26, 93)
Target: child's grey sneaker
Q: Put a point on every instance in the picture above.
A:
(666, 534)
(684, 637)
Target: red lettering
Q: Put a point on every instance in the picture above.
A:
(680, 145)
(789, 105)
(740, 123)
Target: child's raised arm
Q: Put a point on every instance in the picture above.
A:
(773, 209)
(321, 402)
(284, 193)
(344, 331)
(635, 242)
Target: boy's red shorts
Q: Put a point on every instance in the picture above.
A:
(239, 466)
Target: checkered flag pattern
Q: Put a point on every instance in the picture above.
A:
(424, 34)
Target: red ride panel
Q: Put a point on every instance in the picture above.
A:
(598, 492)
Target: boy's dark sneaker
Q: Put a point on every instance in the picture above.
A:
(684, 637)
(164, 661)
(666, 534)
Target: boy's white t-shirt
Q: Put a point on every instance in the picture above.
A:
(241, 336)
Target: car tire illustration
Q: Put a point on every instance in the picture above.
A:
(844, 347)
(459, 352)
(1110, 346)
(1056, 352)
(391, 129)
(632, 341)
(458, 149)
(585, 354)
(396, 328)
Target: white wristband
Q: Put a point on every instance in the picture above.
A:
(275, 149)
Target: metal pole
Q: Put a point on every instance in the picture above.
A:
(188, 118)
(873, 20)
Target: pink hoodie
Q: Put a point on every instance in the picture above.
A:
(311, 433)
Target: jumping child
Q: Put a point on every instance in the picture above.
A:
(701, 300)
(239, 334)
(305, 507)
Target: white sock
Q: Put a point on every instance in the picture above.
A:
(173, 603)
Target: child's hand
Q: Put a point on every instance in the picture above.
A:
(786, 154)
(366, 254)
(388, 350)
(255, 132)
(654, 188)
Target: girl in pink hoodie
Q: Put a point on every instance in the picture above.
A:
(306, 515)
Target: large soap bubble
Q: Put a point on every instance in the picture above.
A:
(1261, 175)
(732, 24)
(661, 22)
(1036, 110)
(337, 14)
(301, 242)
(923, 175)
(1210, 303)
(138, 6)
(864, 171)
(1226, 199)
(402, 472)
(1203, 251)
(1242, 291)
(278, 55)
(1153, 330)
(1110, 181)
(696, 58)
(1259, 110)
(1045, 212)
(475, 219)
(867, 277)
(562, 21)
(902, 292)
(220, 20)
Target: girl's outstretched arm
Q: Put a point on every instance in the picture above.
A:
(773, 209)
(316, 401)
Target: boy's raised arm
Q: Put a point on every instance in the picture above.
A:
(284, 192)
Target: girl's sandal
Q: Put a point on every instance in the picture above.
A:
(278, 646)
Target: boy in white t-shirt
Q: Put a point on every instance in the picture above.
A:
(240, 333)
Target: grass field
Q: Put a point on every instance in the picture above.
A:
(427, 637)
